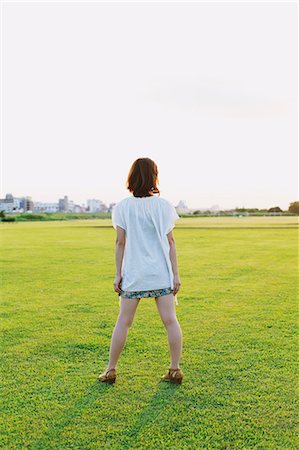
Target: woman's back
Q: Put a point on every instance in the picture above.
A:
(146, 221)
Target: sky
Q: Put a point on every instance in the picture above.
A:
(207, 90)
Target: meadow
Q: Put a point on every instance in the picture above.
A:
(238, 310)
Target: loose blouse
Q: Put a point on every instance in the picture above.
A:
(146, 262)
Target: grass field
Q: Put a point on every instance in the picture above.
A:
(238, 310)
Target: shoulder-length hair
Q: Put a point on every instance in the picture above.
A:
(143, 178)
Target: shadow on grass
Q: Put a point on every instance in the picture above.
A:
(156, 405)
(90, 396)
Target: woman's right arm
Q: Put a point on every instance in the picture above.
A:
(174, 263)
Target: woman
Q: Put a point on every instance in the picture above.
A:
(146, 263)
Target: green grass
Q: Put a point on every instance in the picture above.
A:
(238, 310)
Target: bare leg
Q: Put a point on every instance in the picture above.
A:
(125, 318)
(166, 308)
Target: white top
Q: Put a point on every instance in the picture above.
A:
(146, 262)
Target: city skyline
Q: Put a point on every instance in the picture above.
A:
(107, 205)
(84, 200)
(213, 104)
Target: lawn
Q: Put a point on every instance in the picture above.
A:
(238, 310)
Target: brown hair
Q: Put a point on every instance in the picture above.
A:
(143, 178)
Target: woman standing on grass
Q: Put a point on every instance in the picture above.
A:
(146, 263)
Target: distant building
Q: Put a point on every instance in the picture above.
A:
(45, 207)
(19, 204)
(71, 206)
(28, 204)
(182, 208)
(94, 205)
(63, 204)
(12, 204)
(7, 203)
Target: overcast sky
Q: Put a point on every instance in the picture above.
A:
(207, 90)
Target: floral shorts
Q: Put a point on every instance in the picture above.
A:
(146, 294)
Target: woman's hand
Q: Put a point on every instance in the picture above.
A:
(117, 283)
(176, 284)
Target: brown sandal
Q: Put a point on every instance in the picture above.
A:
(109, 376)
(174, 376)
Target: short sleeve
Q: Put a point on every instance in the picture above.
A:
(169, 217)
(117, 216)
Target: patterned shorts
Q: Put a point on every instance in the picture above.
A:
(146, 294)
